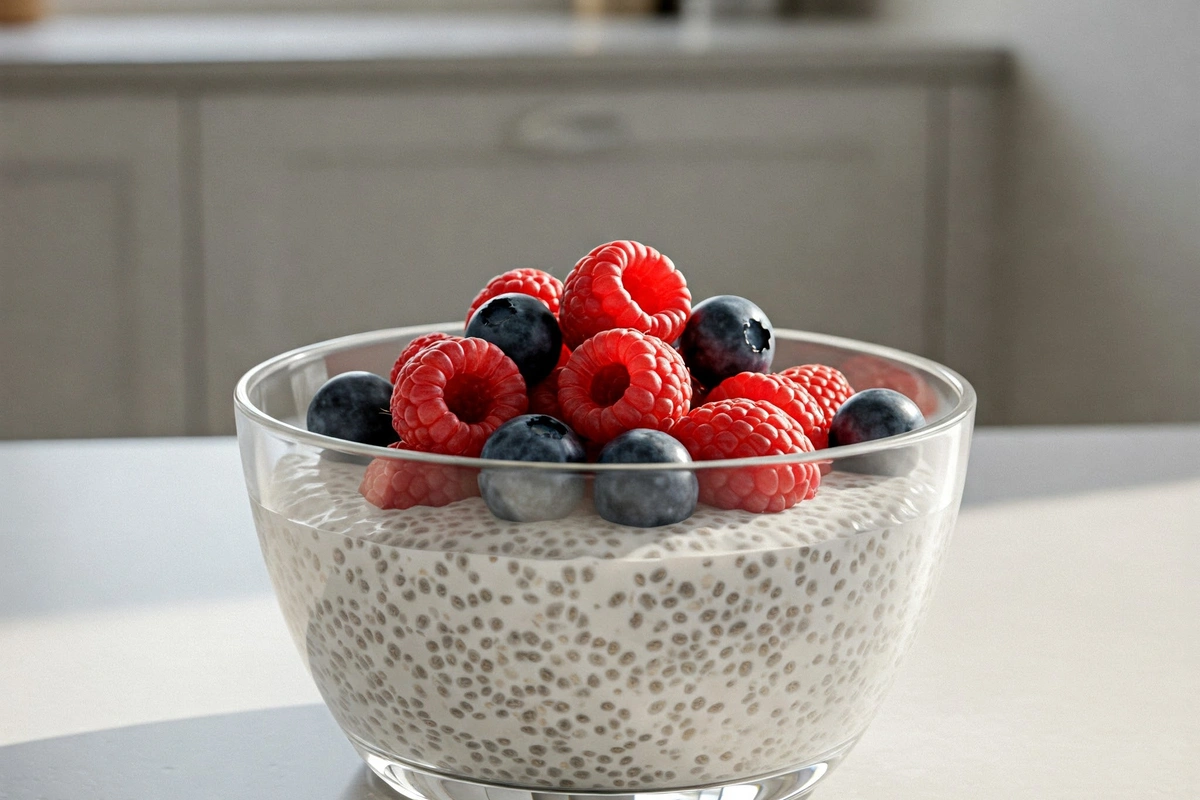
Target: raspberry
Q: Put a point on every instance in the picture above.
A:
(624, 285)
(450, 396)
(699, 393)
(741, 428)
(593, 450)
(620, 380)
(415, 346)
(392, 483)
(533, 282)
(543, 398)
(827, 386)
(783, 393)
(871, 372)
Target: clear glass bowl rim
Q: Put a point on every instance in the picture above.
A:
(963, 409)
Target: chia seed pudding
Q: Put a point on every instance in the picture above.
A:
(585, 655)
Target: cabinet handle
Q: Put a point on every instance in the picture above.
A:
(576, 130)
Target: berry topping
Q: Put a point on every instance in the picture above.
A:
(624, 285)
(452, 395)
(393, 483)
(872, 372)
(783, 393)
(543, 398)
(746, 429)
(620, 380)
(876, 414)
(699, 393)
(521, 495)
(726, 335)
(415, 346)
(533, 282)
(353, 406)
(524, 329)
(645, 499)
(827, 386)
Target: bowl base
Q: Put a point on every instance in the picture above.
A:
(416, 783)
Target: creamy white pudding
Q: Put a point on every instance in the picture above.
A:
(585, 655)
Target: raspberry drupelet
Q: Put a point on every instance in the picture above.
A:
(743, 428)
(827, 385)
(415, 346)
(533, 282)
(624, 284)
(392, 483)
(783, 392)
(620, 380)
(543, 398)
(452, 395)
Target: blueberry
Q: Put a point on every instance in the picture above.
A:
(524, 329)
(876, 414)
(354, 406)
(520, 495)
(726, 335)
(645, 499)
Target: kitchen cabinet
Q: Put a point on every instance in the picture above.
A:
(326, 215)
(92, 315)
(183, 198)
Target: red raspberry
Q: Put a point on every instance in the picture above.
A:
(534, 282)
(563, 356)
(392, 483)
(743, 428)
(592, 450)
(871, 372)
(415, 346)
(623, 379)
(827, 386)
(452, 395)
(543, 399)
(624, 285)
(785, 394)
(699, 393)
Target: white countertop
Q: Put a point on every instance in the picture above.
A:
(382, 45)
(1061, 657)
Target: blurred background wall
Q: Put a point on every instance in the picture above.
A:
(184, 196)
(1100, 243)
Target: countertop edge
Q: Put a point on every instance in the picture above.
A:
(537, 52)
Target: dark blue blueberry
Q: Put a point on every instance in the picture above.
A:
(726, 335)
(524, 329)
(876, 414)
(354, 406)
(521, 495)
(645, 499)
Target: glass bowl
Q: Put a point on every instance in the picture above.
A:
(468, 657)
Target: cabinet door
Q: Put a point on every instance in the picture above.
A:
(91, 336)
(330, 214)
